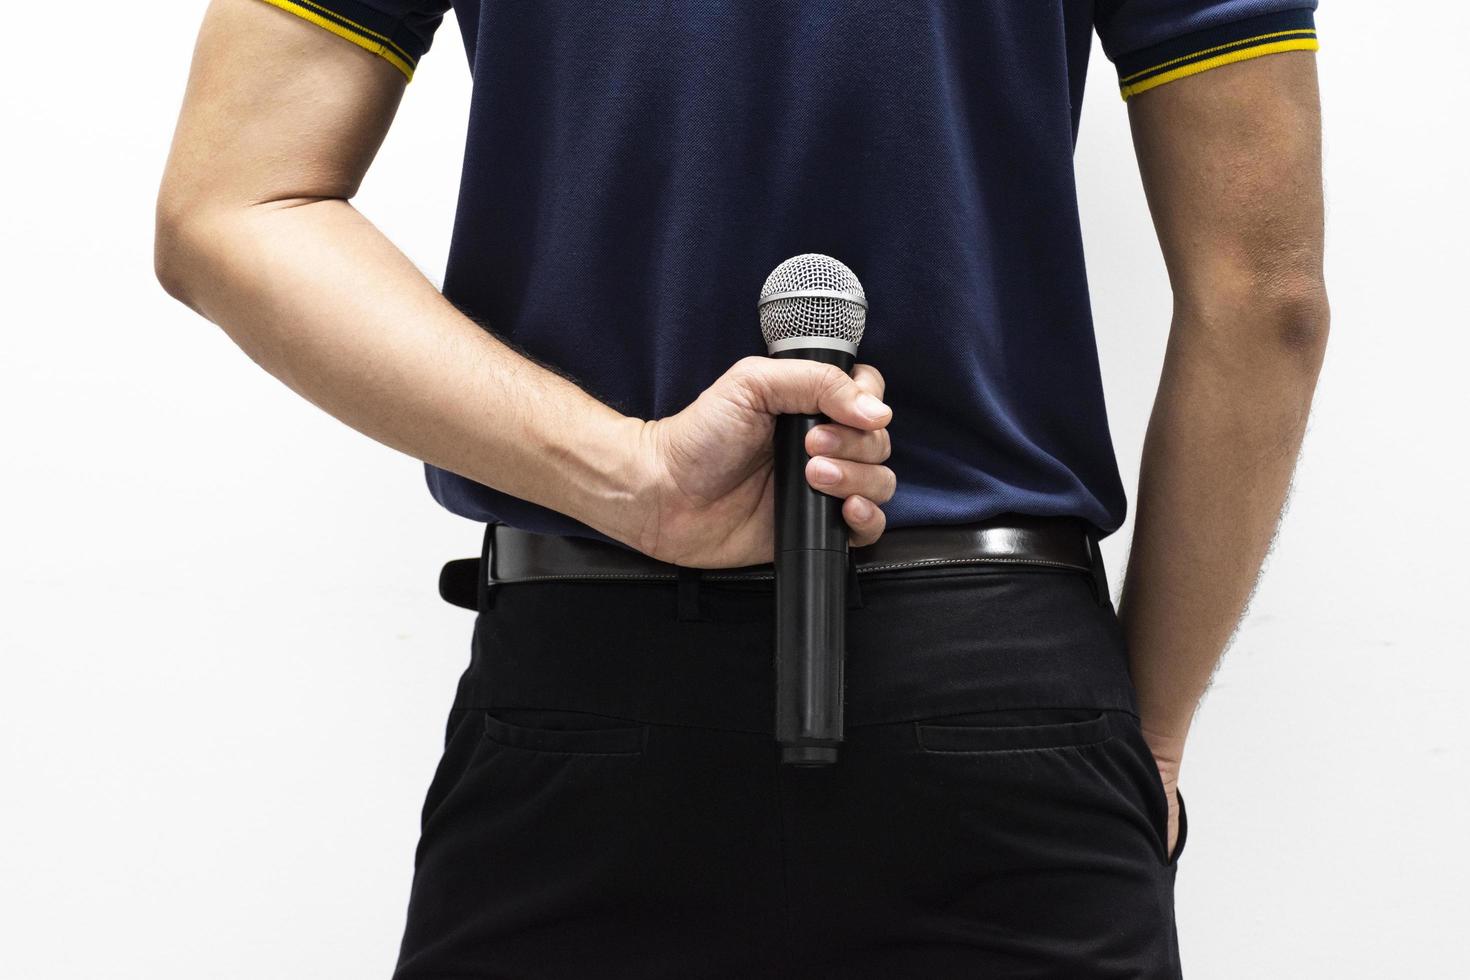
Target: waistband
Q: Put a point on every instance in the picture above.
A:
(512, 555)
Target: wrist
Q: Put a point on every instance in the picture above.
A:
(1167, 748)
(611, 483)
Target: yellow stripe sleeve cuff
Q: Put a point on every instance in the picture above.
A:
(1195, 67)
(363, 37)
(1222, 44)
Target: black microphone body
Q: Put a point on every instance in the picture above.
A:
(811, 592)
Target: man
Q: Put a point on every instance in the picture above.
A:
(588, 385)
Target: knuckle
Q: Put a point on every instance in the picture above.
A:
(747, 370)
(885, 445)
(876, 375)
(753, 372)
(830, 379)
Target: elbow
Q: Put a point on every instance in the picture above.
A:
(1274, 320)
(171, 249)
(174, 249)
(1297, 320)
(185, 232)
(168, 270)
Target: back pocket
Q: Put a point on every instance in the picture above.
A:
(564, 732)
(1014, 730)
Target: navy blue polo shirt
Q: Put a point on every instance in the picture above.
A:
(633, 171)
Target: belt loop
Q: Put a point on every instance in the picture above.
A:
(688, 594)
(854, 590)
(485, 594)
(1100, 589)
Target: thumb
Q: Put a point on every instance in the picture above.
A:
(797, 387)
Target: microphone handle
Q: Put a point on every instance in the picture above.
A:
(811, 592)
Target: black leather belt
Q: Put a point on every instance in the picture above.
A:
(514, 555)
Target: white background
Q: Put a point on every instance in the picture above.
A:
(226, 668)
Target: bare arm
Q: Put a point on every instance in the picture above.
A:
(279, 124)
(1231, 163)
(255, 232)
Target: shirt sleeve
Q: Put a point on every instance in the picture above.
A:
(1154, 42)
(399, 31)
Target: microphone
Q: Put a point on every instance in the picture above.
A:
(811, 307)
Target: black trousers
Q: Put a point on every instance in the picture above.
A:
(610, 802)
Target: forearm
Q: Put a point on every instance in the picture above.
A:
(1231, 164)
(316, 295)
(1222, 442)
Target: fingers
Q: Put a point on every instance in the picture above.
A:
(865, 446)
(846, 454)
(865, 519)
(857, 451)
(797, 387)
(843, 478)
(845, 442)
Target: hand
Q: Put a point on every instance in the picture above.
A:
(707, 484)
(1171, 793)
(1168, 752)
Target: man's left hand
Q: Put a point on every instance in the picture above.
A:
(1168, 752)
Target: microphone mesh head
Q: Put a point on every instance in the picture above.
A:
(813, 295)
